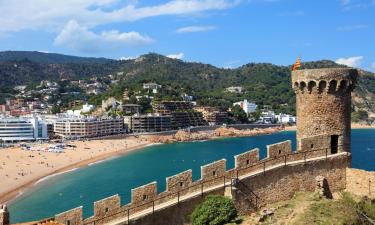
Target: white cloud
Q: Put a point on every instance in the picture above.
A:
(192, 29)
(373, 66)
(352, 27)
(80, 38)
(176, 56)
(354, 61)
(53, 15)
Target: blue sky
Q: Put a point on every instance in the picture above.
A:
(225, 33)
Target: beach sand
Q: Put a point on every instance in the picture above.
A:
(20, 169)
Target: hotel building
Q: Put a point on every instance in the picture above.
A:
(79, 127)
(14, 129)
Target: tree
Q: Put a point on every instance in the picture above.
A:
(359, 115)
(55, 109)
(215, 210)
(239, 114)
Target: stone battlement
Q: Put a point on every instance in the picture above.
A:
(179, 187)
(320, 81)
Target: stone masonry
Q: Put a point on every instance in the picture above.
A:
(324, 104)
(4, 215)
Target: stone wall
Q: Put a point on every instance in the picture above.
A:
(144, 193)
(279, 149)
(71, 217)
(247, 159)
(215, 169)
(4, 215)
(282, 183)
(107, 206)
(360, 182)
(273, 178)
(179, 181)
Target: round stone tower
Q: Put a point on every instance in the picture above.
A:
(324, 104)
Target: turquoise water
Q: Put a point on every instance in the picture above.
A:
(155, 163)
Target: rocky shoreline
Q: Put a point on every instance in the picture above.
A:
(185, 136)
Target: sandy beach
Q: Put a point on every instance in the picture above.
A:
(20, 169)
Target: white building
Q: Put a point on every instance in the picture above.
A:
(285, 118)
(152, 86)
(22, 129)
(237, 89)
(268, 117)
(87, 108)
(248, 107)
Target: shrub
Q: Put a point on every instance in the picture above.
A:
(215, 210)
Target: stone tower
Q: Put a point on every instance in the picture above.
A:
(324, 104)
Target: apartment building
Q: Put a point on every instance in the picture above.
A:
(212, 115)
(79, 127)
(182, 113)
(148, 123)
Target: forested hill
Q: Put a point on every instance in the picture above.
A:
(264, 83)
(47, 58)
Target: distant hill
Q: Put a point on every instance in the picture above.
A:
(47, 58)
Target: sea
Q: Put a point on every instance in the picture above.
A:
(82, 187)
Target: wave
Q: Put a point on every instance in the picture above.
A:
(53, 175)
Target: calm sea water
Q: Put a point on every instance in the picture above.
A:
(120, 175)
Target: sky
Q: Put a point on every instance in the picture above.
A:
(225, 33)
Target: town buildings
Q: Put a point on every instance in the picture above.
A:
(212, 115)
(152, 86)
(285, 118)
(79, 127)
(182, 113)
(148, 123)
(248, 107)
(130, 109)
(22, 129)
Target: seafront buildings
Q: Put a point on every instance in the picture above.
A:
(182, 113)
(80, 127)
(22, 129)
(148, 123)
(212, 115)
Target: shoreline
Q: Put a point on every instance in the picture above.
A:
(16, 192)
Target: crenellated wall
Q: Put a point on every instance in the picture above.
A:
(71, 217)
(276, 177)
